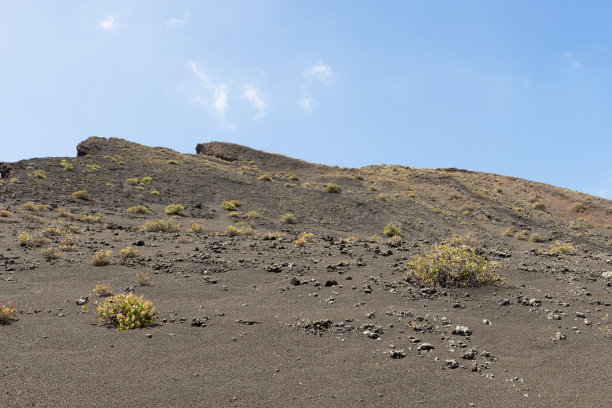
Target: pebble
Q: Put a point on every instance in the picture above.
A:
(426, 347)
(149, 335)
(462, 331)
(452, 364)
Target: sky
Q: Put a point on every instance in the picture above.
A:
(519, 88)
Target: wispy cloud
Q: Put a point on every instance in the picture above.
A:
(569, 56)
(602, 192)
(253, 96)
(306, 104)
(174, 22)
(109, 23)
(217, 94)
(320, 71)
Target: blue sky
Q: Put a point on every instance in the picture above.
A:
(520, 88)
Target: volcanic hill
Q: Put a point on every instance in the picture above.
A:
(283, 283)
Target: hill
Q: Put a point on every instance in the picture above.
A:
(248, 315)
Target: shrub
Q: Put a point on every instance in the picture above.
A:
(231, 205)
(375, 239)
(382, 197)
(52, 231)
(5, 213)
(234, 214)
(172, 162)
(102, 258)
(522, 235)
(81, 195)
(265, 177)
(69, 243)
(535, 237)
(103, 289)
(50, 253)
(579, 207)
(350, 239)
(174, 209)
(454, 197)
(447, 265)
(133, 181)
(127, 311)
(31, 206)
(129, 253)
(154, 192)
(196, 228)
(66, 166)
(139, 209)
(358, 177)
(373, 188)
(255, 215)
(392, 230)
(333, 188)
(165, 225)
(305, 238)
(293, 177)
(143, 279)
(509, 231)
(288, 185)
(540, 206)
(561, 248)
(8, 313)
(232, 231)
(38, 174)
(29, 241)
(288, 218)
(497, 190)
(147, 179)
(468, 240)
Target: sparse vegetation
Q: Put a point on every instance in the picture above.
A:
(81, 195)
(288, 218)
(304, 238)
(8, 313)
(154, 192)
(172, 162)
(445, 265)
(265, 177)
(231, 205)
(126, 311)
(30, 241)
(535, 237)
(255, 215)
(66, 166)
(392, 230)
(540, 206)
(143, 278)
(497, 190)
(509, 231)
(293, 177)
(174, 209)
(5, 213)
(333, 188)
(139, 209)
(382, 197)
(232, 231)
(454, 197)
(129, 253)
(147, 179)
(579, 207)
(103, 289)
(102, 258)
(50, 253)
(523, 235)
(375, 239)
(561, 248)
(133, 181)
(38, 174)
(196, 228)
(32, 206)
(165, 225)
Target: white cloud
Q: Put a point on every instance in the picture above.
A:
(576, 64)
(320, 71)
(569, 56)
(109, 23)
(306, 103)
(252, 95)
(173, 22)
(217, 99)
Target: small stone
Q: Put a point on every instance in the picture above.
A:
(330, 283)
(295, 281)
(607, 275)
(462, 331)
(469, 355)
(560, 336)
(487, 322)
(370, 315)
(83, 300)
(426, 347)
(452, 364)
(397, 354)
(149, 335)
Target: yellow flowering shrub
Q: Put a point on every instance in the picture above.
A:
(126, 311)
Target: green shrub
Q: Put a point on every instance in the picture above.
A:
(154, 192)
(133, 181)
(8, 313)
(293, 177)
(127, 311)
(174, 209)
(172, 162)
(5, 213)
(81, 195)
(143, 279)
(129, 253)
(392, 230)
(232, 231)
(375, 239)
(446, 265)
(255, 215)
(522, 235)
(304, 238)
(265, 177)
(196, 228)
(333, 188)
(509, 231)
(102, 258)
(50, 253)
(540, 206)
(139, 209)
(31, 206)
(288, 218)
(147, 179)
(103, 289)
(535, 237)
(165, 225)
(382, 197)
(38, 174)
(231, 205)
(66, 166)
(561, 248)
